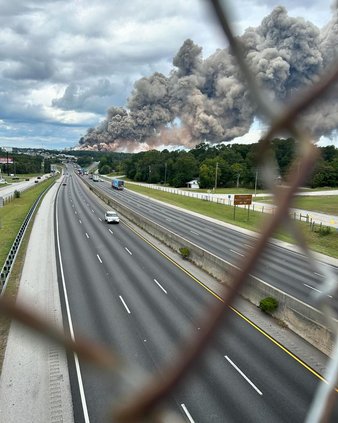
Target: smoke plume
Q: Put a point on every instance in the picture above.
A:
(206, 100)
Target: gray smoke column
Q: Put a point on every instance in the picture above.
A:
(206, 100)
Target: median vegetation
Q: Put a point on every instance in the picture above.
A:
(185, 252)
(268, 305)
(252, 220)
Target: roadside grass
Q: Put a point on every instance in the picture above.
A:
(19, 177)
(13, 214)
(227, 190)
(327, 244)
(12, 289)
(11, 217)
(322, 204)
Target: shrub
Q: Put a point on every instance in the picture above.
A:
(268, 304)
(17, 194)
(323, 230)
(185, 252)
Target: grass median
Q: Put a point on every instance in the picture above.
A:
(325, 244)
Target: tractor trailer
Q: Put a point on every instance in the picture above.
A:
(117, 184)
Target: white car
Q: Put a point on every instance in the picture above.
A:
(111, 217)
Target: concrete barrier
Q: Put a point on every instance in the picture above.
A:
(301, 318)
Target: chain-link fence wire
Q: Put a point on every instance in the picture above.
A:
(144, 405)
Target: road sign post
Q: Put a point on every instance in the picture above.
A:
(240, 200)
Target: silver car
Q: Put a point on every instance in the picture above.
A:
(111, 217)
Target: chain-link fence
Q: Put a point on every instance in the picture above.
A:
(144, 406)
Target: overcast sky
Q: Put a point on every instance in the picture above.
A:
(64, 62)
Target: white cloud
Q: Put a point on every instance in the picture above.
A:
(48, 46)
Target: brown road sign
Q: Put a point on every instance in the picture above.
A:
(242, 199)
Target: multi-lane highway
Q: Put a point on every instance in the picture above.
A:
(120, 291)
(285, 269)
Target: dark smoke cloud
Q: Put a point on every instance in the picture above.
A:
(208, 97)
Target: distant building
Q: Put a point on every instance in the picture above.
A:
(193, 184)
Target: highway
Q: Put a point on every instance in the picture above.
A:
(284, 269)
(123, 293)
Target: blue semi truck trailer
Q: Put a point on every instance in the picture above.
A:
(117, 184)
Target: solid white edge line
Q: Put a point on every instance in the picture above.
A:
(191, 420)
(128, 251)
(243, 375)
(70, 323)
(99, 258)
(160, 286)
(125, 305)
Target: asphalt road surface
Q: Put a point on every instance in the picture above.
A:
(123, 293)
(282, 268)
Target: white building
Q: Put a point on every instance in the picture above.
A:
(193, 184)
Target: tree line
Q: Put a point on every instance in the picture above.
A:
(218, 165)
(25, 164)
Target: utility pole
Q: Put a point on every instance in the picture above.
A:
(216, 176)
(165, 173)
(256, 181)
(238, 179)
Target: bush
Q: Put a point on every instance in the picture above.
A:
(268, 304)
(185, 252)
(17, 194)
(324, 230)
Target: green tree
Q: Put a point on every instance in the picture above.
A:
(184, 169)
(324, 175)
(237, 170)
(206, 176)
(46, 166)
(105, 169)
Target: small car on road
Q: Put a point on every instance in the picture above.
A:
(111, 217)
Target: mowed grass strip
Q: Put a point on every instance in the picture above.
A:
(325, 244)
(11, 291)
(13, 214)
(327, 204)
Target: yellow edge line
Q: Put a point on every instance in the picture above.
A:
(310, 369)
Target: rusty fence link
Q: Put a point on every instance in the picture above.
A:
(144, 404)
